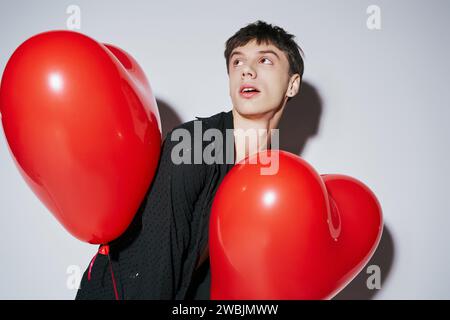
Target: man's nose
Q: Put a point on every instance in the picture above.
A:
(248, 71)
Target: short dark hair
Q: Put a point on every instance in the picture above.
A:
(269, 34)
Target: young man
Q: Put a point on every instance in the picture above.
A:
(164, 252)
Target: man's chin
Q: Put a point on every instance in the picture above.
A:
(251, 110)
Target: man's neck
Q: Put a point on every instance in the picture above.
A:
(261, 125)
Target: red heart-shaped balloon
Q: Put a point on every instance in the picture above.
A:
(83, 128)
(289, 235)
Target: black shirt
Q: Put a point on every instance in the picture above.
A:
(156, 256)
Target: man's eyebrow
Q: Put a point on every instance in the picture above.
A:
(261, 51)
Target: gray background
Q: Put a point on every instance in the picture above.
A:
(374, 105)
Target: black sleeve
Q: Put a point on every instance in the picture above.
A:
(150, 259)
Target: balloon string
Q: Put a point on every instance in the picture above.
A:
(91, 264)
(113, 279)
(104, 250)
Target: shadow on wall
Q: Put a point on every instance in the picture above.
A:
(169, 118)
(383, 257)
(300, 119)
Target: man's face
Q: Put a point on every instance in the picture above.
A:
(263, 67)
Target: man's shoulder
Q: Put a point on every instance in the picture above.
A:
(184, 140)
(215, 121)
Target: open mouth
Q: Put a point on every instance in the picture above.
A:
(248, 92)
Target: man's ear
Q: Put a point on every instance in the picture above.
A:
(294, 85)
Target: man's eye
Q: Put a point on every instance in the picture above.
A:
(270, 62)
(236, 61)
